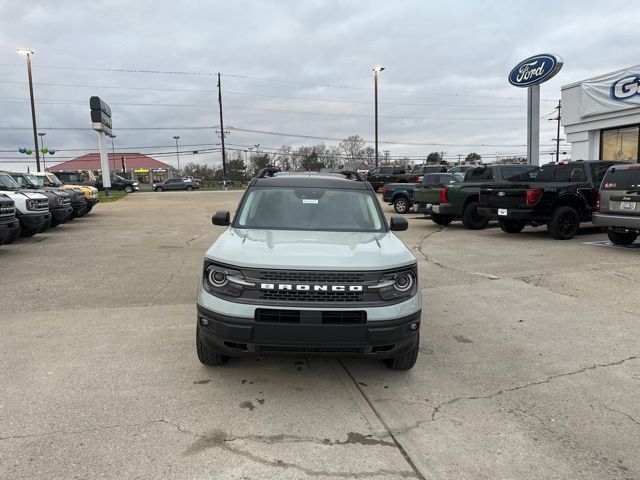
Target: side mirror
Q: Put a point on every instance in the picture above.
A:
(221, 217)
(398, 224)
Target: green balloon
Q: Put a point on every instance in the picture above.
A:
(28, 151)
(44, 150)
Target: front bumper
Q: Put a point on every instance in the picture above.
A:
(625, 222)
(7, 227)
(61, 214)
(92, 201)
(240, 337)
(33, 220)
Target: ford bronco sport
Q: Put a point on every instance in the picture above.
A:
(309, 266)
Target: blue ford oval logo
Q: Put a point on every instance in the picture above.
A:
(535, 70)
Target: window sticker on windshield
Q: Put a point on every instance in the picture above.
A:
(310, 200)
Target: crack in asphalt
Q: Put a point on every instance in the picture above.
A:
(165, 284)
(637, 422)
(437, 409)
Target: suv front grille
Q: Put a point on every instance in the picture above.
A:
(7, 209)
(302, 276)
(305, 296)
(327, 317)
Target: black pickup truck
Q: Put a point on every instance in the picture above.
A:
(382, 175)
(561, 196)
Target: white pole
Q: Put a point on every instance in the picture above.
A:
(104, 162)
(533, 125)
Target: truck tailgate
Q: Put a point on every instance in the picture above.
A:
(424, 194)
(506, 195)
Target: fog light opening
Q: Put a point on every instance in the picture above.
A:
(414, 326)
(204, 322)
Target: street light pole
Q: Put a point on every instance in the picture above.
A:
(42, 134)
(113, 154)
(27, 52)
(376, 71)
(176, 137)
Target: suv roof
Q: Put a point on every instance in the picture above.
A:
(310, 179)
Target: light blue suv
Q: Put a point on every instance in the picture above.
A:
(309, 266)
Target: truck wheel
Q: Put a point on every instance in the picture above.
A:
(564, 223)
(46, 226)
(621, 238)
(401, 205)
(89, 208)
(405, 361)
(443, 220)
(189, 188)
(511, 226)
(128, 189)
(471, 219)
(206, 356)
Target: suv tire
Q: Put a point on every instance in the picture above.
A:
(442, 220)
(511, 226)
(405, 361)
(159, 189)
(621, 238)
(471, 219)
(189, 188)
(29, 232)
(14, 236)
(564, 223)
(128, 189)
(401, 205)
(206, 356)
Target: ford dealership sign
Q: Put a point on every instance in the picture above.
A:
(625, 87)
(535, 70)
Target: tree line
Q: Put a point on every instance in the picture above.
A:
(352, 150)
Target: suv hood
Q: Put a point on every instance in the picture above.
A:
(288, 249)
(30, 195)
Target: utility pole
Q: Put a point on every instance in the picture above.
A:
(376, 71)
(42, 134)
(27, 53)
(224, 152)
(459, 157)
(176, 137)
(557, 139)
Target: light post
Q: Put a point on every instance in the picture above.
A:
(113, 154)
(27, 53)
(42, 134)
(176, 137)
(376, 71)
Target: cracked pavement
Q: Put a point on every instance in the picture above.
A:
(528, 368)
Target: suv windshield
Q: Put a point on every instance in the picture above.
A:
(7, 182)
(622, 179)
(310, 209)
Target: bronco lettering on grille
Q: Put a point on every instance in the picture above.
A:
(301, 287)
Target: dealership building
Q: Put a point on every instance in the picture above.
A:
(134, 166)
(601, 116)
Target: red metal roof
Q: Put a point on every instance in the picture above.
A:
(91, 161)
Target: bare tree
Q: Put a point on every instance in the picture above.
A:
(352, 148)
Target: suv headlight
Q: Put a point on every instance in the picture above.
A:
(60, 200)
(220, 280)
(400, 284)
(31, 204)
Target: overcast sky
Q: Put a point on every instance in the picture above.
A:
(296, 67)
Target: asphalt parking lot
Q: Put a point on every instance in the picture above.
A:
(529, 364)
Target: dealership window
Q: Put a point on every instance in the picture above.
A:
(620, 144)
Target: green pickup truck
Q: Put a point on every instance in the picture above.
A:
(446, 203)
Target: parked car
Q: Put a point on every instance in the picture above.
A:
(175, 184)
(119, 183)
(460, 169)
(78, 199)
(9, 224)
(618, 204)
(381, 175)
(562, 196)
(32, 209)
(59, 200)
(460, 200)
(309, 266)
(90, 192)
(402, 195)
(425, 169)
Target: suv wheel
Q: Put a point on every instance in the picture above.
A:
(443, 220)
(128, 188)
(159, 189)
(189, 188)
(622, 238)
(401, 205)
(14, 236)
(564, 223)
(471, 219)
(30, 232)
(511, 226)
(206, 356)
(405, 361)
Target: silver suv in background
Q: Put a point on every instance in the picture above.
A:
(618, 206)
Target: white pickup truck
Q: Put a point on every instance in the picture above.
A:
(32, 209)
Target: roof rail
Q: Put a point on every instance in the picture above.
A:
(350, 174)
(267, 172)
